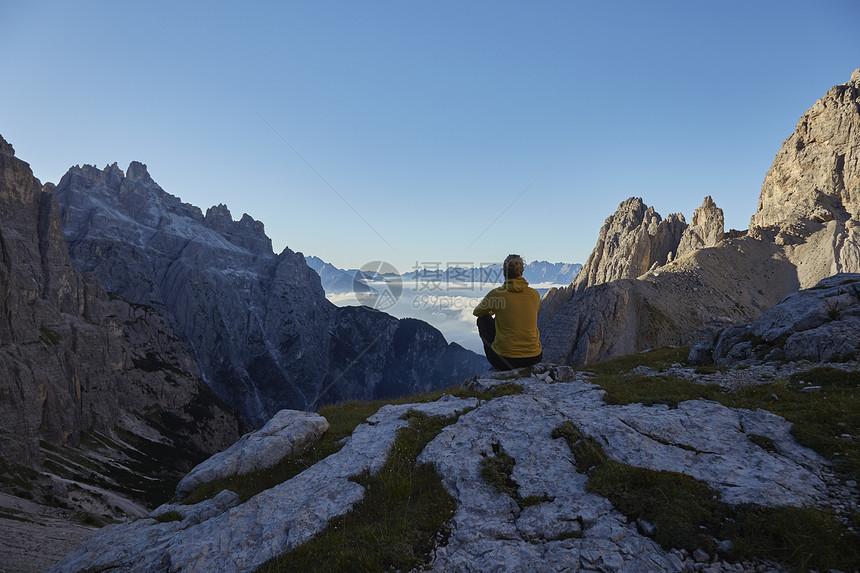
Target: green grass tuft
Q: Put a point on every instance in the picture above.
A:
(651, 390)
(657, 359)
(49, 336)
(504, 389)
(763, 442)
(396, 525)
(496, 470)
(169, 516)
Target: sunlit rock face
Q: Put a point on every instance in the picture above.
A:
(810, 199)
(807, 228)
(631, 241)
(257, 322)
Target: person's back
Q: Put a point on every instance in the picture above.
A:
(512, 339)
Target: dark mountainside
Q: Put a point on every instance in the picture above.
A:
(258, 323)
(652, 282)
(75, 358)
(101, 408)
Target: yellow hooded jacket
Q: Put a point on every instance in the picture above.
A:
(515, 305)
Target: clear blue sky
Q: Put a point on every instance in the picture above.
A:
(428, 118)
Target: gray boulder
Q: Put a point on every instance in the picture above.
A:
(821, 324)
(288, 434)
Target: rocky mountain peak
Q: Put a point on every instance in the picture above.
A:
(77, 359)
(259, 324)
(631, 241)
(6, 147)
(137, 172)
(706, 230)
(246, 232)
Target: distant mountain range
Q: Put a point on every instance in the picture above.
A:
(340, 281)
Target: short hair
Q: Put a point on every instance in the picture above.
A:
(513, 266)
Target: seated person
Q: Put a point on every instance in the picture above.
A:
(512, 339)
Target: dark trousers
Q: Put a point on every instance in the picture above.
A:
(487, 331)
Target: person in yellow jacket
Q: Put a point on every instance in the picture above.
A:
(511, 339)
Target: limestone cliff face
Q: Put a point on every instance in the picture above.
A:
(258, 323)
(631, 241)
(810, 199)
(75, 359)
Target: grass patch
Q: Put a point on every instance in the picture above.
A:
(504, 389)
(803, 538)
(763, 442)
(651, 390)
(5, 515)
(395, 526)
(710, 369)
(87, 518)
(169, 516)
(153, 363)
(49, 336)
(689, 514)
(819, 418)
(658, 359)
(496, 470)
(17, 479)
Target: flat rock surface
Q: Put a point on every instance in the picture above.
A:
(699, 438)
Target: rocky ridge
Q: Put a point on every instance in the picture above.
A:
(805, 230)
(631, 242)
(258, 323)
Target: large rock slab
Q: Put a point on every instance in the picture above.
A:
(288, 434)
(699, 438)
